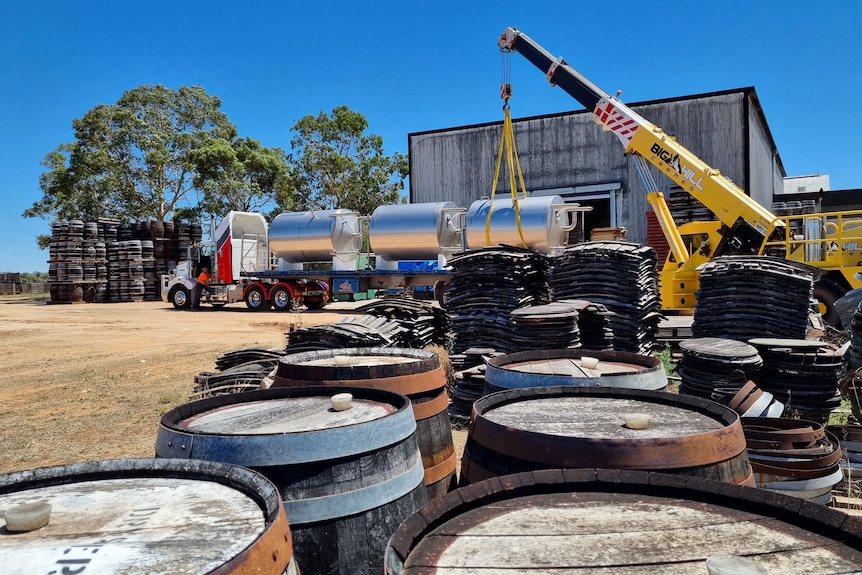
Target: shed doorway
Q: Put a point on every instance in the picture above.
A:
(602, 198)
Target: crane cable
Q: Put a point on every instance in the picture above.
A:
(507, 146)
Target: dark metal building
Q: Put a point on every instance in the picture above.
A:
(569, 155)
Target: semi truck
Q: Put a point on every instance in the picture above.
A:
(306, 258)
(831, 241)
(265, 267)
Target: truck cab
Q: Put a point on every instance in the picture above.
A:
(178, 285)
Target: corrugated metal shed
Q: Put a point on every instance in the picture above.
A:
(567, 153)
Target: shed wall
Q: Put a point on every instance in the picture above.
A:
(568, 150)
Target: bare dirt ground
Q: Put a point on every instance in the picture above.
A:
(81, 382)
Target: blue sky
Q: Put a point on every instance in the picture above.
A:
(411, 66)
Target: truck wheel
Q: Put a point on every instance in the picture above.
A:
(827, 292)
(281, 299)
(256, 300)
(440, 293)
(180, 297)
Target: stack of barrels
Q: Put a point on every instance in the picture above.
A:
(106, 260)
(77, 269)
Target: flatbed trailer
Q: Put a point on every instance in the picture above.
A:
(342, 282)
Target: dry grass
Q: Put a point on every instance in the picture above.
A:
(81, 382)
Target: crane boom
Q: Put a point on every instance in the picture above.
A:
(746, 224)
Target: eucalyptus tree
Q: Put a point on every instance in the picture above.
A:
(338, 165)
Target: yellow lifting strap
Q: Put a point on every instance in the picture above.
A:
(507, 145)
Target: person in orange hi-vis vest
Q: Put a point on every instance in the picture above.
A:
(201, 283)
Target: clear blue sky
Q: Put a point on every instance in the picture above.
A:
(415, 66)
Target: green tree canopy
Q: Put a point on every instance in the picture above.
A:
(338, 166)
(241, 175)
(155, 152)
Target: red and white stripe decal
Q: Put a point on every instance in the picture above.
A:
(617, 122)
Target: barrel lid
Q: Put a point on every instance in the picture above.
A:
(579, 426)
(619, 521)
(283, 411)
(286, 415)
(356, 363)
(600, 417)
(719, 348)
(544, 311)
(358, 360)
(284, 426)
(787, 343)
(568, 362)
(141, 516)
(567, 366)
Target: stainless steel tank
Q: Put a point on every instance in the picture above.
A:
(416, 231)
(316, 235)
(545, 222)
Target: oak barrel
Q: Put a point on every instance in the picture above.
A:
(571, 427)
(347, 478)
(416, 373)
(621, 522)
(576, 367)
(145, 516)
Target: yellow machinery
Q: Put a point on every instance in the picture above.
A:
(830, 241)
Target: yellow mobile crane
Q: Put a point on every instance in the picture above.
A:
(830, 241)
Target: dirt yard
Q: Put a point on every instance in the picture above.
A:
(81, 382)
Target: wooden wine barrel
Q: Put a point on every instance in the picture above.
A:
(75, 271)
(576, 367)
(572, 427)
(157, 230)
(620, 521)
(416, 373)
(347, 478)
(66, 293)
(144, 516)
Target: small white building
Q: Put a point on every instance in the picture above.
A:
(806, 184)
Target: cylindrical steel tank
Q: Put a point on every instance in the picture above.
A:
(416, 231)
(544, 222)
(315, 235)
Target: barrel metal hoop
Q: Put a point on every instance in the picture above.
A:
(437, 472)
(264, 557)
(287, 448)
(431, 407)
(691, 451)
(403, 384)
(339, 505)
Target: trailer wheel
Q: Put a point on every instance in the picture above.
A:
(440, 293)
(180, 297)
(314, 302)
(255, 299)
(281, 299)
(827, 292)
